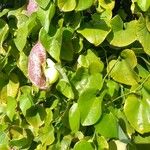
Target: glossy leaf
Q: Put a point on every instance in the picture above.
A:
(13, 85)
(139, 118)
(43, 3)
(3, 31)
(109, 129)
(82, 4)
(11, 107)
(90, 107)
(45, 15)
(66, 5)
(74, 117)
(25, 102)
(52, 44)
(95, 33)
(143, 34)
(122, 70)
(121, 30)
(25, 29)
(94, 66)
(144, 4)
(65, 88)
(79, 145)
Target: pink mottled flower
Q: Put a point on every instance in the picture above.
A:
(32, 7)
(37, 60)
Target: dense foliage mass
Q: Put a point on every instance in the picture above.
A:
(74, 74)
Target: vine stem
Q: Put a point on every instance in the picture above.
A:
(140, 86)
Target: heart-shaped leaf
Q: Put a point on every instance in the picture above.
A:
(137, 111)
(120, 31)
(109, 129)
(143, 34)
(90, 107)
(74, 117)
(143, 4)
(66, 5)
(79, 145)
(83, 4)
(121, 70)
(95, 33)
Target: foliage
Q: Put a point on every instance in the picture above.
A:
(96, 91)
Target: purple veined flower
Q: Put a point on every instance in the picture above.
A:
(41, 71)
(32, 7)
(36, 62)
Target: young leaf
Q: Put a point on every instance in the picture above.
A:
(118, 34)
(74, 118)
(109, 129)
(79, 145)
(95, 33)
(11, 107)
(83, 4)
(90, 107)
(143, 34)
(140, 108)
(66, 5)
(122, 70)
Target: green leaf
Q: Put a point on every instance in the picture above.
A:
(22, 63)
(143, 34)
(107, 126)
(95, 66)
(4, 140)
(45, 15)
(95, 32)
(66, 5)
(107, 4)
(102, 143)
(84, 4)
(121, 30)
(11, 107)
(143, 4)
(25, 102)
(52, 44)
(83, 145)
(35, 116)
(13, 85)
(121, 70)
(74, 117)
(65, 88)
(82, 80)
(43, 3)
(3, 31)
(65, 143)
(90, 107)
(137, 111)
(24, 29)
(46, 135)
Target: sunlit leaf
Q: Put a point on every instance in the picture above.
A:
(140, 108)
(65, 88)
(11, 107)
(74, 117)
(121, 70)
(79, 145)
(95, 32)
(66, 5)
(90, 107)
(43, 3)
(143, 34)
(143, 4)
(83, 4)
(121, 30)
(109, 129)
